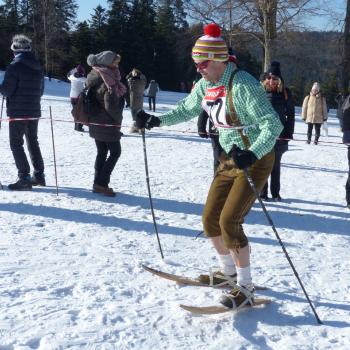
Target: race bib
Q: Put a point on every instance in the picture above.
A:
(214, 103)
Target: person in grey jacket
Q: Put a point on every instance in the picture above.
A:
(137, 83)
(151, 92)
(104, 80)
(23, 86)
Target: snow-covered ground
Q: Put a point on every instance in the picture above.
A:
(70, 265)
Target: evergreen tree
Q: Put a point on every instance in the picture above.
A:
(8, 26)
(98, 27)
(140, 44)
(117, 23)
(82, 44)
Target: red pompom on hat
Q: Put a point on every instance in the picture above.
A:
(213, 30)
(210, 46)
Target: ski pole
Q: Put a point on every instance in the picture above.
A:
(252, 185)
(2, 108)
(149, 191)
(54, 151)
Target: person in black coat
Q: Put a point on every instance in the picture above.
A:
(213, 134)
(23, 86)
(282, 102)
(346, 139)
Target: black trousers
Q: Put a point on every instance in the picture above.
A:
(217, 149)
(152, 101)
(275, 177)
(29, 129)
(105, 163)
(347, 185)
(310, 126)
(77, 126)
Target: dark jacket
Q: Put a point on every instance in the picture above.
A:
(23, 86)
(202, 126)
(108, 110)
(282, 103)
(346, 120)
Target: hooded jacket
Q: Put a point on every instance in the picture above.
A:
(109, 110)
(23, 86)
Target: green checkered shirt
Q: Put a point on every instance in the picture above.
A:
(251, 105)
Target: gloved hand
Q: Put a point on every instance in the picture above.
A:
(243, 158)
(145, 120)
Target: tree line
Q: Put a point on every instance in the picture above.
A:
(157, 38)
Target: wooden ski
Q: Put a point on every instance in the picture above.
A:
(218, 309)
(188, 281)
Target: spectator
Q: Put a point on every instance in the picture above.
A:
(346, 140)
(77, 79)
(151, 92)
(213, 134)
(314, 112)
(104, 80)
(23, 86)
(137, 83)
(339, 99)
(282, 102)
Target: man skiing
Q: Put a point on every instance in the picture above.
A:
(248, 127)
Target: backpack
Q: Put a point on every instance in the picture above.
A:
(86, 106)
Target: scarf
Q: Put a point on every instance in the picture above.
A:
(111, 77)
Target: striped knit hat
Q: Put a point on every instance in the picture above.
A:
(210, 46)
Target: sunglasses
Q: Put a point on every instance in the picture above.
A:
(202, 65)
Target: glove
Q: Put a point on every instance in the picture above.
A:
(145, 120)
(243, 158)
(203, 134)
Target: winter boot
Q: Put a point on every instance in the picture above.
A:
(38, 179)
(264, 197)
(218, 279)
(238, 297)
(78, 127)
(23, 184)
(104, 190)
(277, 198)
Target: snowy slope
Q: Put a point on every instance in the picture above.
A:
(70, 265)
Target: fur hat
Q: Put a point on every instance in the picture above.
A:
(275, 69)
(211, 46)
(21, 43)
(104, 58)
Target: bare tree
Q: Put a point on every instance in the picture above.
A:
(260, 19)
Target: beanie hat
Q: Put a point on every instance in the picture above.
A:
(104, 58)
(210, 46)
(316, 86)
(275, 69)
(21, 43)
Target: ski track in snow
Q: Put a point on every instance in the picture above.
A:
(71, 275)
